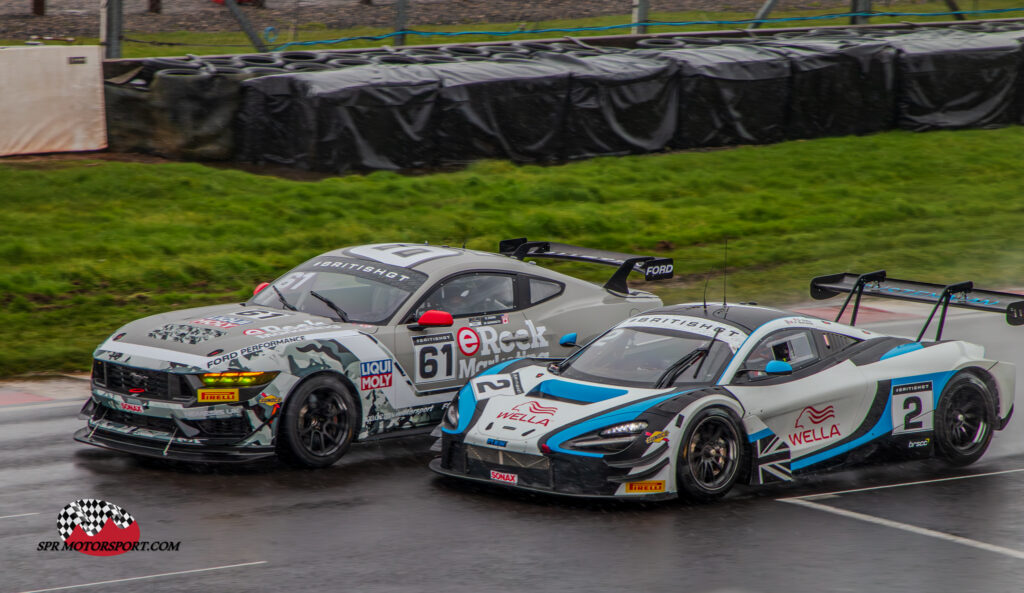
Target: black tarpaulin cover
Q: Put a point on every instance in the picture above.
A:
(952, 78)
(730, 94)
(510, 110)
(367, 117)
(621, 104)
(839, 85)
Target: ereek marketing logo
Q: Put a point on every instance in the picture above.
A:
(99, 528)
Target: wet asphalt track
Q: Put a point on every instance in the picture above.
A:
(379, 520)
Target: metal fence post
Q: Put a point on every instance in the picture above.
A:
(859, 6)
(111, 22)
(640, 8)
(401, 18)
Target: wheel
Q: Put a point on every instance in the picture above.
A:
(963, 420)
(319, 423)
(709, 455)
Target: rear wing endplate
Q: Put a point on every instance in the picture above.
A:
(962, 294)
(653, 268)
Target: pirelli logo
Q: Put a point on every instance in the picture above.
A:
(216, 396)
(645, 487)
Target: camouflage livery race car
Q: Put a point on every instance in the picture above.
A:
(691, 399)
(353, 344)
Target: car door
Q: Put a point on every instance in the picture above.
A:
(489, 327)
(820, 406)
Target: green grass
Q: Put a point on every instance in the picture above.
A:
(90, 245)
(209, 43)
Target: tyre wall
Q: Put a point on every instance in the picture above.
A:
(544, 102)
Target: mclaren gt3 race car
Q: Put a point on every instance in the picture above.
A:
(353, 344)
(691, 399)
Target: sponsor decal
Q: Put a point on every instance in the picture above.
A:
(208, 413)
(403, 413)
(432, 339)
(732, 336)
(497, 443)
(504, 477)
(249, 350)
(494, 342)
(280, 330)
(517, 384)
(529, 412)
(656, 437)
(916, 444)
(269, 400)
(99, 528)
(222, 321)
(814, 426)
(488, 320)
(253, 332)
(646, 486)
(131, 407)
(912, 388)
(376, 374)
(797, 321)
(468, 341)
(216, 396)
(658, 269)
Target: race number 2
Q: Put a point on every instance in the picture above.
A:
(912, 407)
(435, 357)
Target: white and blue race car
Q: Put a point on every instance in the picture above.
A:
(688, 400)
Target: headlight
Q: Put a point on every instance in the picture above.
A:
(451, 415)
(635, 427)
(613, 439)
(238, 379)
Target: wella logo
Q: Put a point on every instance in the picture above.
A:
(814, 430)
(528, 412)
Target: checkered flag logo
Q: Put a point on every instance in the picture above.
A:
(92, 515)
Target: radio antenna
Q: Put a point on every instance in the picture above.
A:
(725, 272)
(707, 279)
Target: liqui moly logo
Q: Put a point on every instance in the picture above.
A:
(530, 412)
(376, 374)
(814, 425)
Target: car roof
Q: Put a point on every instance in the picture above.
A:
(745, 317)
(439, 260)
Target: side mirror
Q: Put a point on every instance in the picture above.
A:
(778, 367)
(259, 288)
(568, 340)
(433, 318)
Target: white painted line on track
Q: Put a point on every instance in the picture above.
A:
(906, 527)
(151, 576)
(900, 485)
(42, 406)
(21, 515)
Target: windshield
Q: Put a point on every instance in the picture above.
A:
(639, 357)
(367, 292)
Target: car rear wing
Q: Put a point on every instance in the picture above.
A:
(653, 268)
(962, 294)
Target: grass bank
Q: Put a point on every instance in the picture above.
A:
(88, 246)
(179, 43)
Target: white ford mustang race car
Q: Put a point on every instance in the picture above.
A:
(354, 344)
(690, 399)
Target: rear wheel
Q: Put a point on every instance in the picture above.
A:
(964, 420)
(709, 456)
(319, 423)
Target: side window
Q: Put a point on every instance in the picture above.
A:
(542, 290)
(793, 346)
(832, 343)
(472, 294)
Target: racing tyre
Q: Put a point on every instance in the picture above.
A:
(964, 420)
(319, 423)
(709, 455)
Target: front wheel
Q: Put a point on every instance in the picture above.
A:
(964, 420)
(709, 455)
(319, 423)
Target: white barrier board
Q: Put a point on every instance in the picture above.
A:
(51, 99)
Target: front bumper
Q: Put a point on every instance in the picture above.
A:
(563, 475)
(176, 451)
